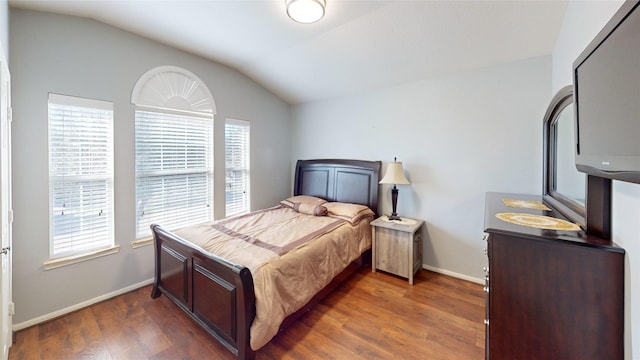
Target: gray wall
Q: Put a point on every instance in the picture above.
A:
(458, 136)
(583, 20)
(81, 57)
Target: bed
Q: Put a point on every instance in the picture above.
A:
(220, 295)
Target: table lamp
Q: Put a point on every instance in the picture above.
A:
(394, 175)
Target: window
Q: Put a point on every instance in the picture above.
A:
(80, 175)
(174, 150)
(236, 147)
(174, 170)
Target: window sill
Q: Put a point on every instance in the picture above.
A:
(64, 261)
(142, 242)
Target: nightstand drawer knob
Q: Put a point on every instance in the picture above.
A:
(486, 322)
(486, 289)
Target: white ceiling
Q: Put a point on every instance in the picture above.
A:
(359, 45)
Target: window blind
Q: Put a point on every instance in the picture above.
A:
(236, 135)
(80, 175)
(174, 170)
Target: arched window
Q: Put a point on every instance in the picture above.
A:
(174, 149)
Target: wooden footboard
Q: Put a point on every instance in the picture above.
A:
(216, 294)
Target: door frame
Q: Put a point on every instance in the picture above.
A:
(6, 211)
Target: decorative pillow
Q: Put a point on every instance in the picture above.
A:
(306, 204)
(353, 213)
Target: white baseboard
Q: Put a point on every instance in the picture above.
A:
(55, 314)
(453, 274)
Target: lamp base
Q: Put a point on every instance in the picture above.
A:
(394, 217)
(394, 202)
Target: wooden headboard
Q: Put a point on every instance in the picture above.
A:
(350, 181)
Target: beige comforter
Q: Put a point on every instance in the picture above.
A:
(291, 257)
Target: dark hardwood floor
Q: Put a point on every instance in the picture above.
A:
(370, 316)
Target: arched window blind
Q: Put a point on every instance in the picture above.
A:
(174, 150)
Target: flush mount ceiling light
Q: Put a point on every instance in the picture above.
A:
(305, 11)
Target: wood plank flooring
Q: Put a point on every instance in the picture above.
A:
(369, 316)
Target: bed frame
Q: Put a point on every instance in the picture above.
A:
(219, 295)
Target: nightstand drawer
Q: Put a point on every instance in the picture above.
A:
(392, 253)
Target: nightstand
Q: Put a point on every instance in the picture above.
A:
(397, 246)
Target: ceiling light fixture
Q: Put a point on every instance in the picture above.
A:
(305, 11)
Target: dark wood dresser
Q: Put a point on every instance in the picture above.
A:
(550, 294)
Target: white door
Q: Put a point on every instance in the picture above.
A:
(6, 212)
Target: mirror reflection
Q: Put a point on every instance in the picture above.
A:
(569, 181)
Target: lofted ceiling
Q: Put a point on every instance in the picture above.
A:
(359, 45)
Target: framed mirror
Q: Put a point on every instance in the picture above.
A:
(564, 187)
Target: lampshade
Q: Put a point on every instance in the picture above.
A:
(305, 11)
(394, 175)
